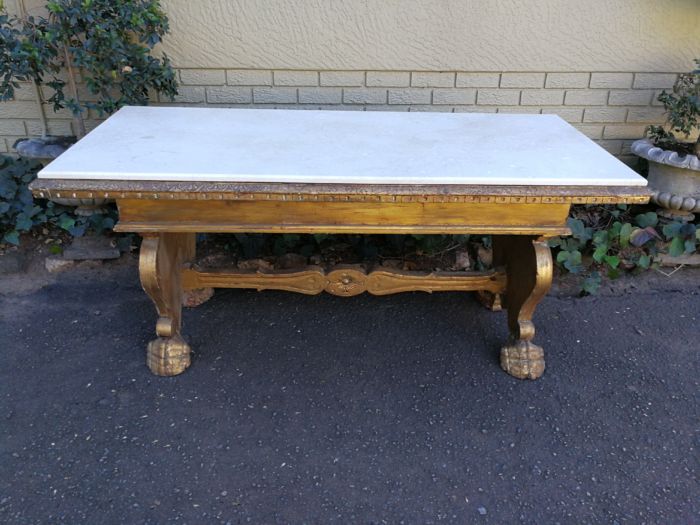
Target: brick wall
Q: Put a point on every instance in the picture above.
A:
(611, 108)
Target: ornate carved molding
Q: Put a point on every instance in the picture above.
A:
(346, 281)
(167, 190)
(497, 199)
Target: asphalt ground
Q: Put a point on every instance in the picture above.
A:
(323, 409)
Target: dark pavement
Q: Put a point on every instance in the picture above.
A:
(331, 410)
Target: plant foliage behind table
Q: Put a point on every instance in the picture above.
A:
(20, 212)
(27, 54)
(107, 43)
(683, 108)
(607, 241)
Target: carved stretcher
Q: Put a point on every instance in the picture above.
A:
(175, 172)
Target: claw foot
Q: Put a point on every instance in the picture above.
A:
(523, 359)
(168, 356)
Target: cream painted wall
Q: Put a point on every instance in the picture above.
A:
(599, 64)
(465, 35)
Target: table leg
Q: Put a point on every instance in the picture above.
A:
(528, 264)
(160, 267)
(490, 300)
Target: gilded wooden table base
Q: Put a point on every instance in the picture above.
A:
(520, 218)
(524, 271)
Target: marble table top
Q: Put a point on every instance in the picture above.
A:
(348, 147)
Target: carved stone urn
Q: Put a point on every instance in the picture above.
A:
(674, 178)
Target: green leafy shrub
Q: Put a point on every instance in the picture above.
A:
(683, 109)
(106, 43)
(607, 241)
(27, 53)
(111, 42)
(20, 212)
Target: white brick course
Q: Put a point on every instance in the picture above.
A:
(519, 109)
(654, 80)
(422, 108)
(229, 95)
(454, 96)
(567, 80)
(604, 114)
(275, 95)
(388, 78)
(27, 111)
(432, 79)
(478, 80)
(630, 98)
(203, 77)
(542, 97)
(190, 94)
(613, 147)
(498, 97)
(248, 77)
(55, 127)
(623, 131)
(592, 131)
(321, 95)
(611, 80)
(12, 126)
(364, 96)
(475, 109)
(410, 96)
(568, 114)
(586, 97)
(342, 78)
(522, 80)
(24, 92)
(650, 114)
(295, 78)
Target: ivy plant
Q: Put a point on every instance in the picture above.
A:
(20, 212)
(607, 241)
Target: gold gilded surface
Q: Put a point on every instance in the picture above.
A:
(169, 214)
(346, 281)
(172, 190)
(529, 270)
(339, 217)
(237, 196)
(160, 262)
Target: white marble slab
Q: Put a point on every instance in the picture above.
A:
(267, 145)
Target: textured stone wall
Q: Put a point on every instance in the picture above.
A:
(612, 108)
(598, 64)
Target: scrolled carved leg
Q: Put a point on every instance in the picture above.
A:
(160, 266)
(528, 264)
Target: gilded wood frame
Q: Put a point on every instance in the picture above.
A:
(169, 214)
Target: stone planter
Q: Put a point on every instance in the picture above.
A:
(674, 179)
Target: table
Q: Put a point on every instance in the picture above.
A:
(175, 172)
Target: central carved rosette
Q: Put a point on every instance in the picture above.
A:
(346, 282)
